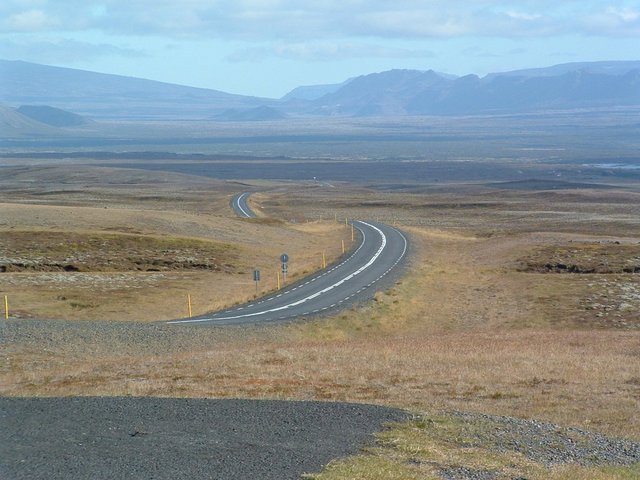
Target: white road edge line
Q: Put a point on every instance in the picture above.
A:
(318, 275)
(306, 299)
(244, 212)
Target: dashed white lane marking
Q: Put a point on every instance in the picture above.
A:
(310, 297)
(313, 279)
(404, 251)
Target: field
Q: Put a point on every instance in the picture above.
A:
(520, 298)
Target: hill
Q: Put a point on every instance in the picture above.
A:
(411, 92)
(313, 92)
(15, 124)
(604, 68)
(55, 117)
(113, 96)
(390, 93)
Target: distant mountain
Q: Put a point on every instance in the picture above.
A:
(313, 92)
(14, 124)
(603, 68)
(394, 92)
(411, 92)
(55, 117)
(101, 95)
(386, 93)
(257, 114)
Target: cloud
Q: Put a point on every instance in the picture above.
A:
(60, 50)
(615, 22)
(29, 21)
(326, 51)
(304, 20)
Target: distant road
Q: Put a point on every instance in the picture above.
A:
(355, 279)
(240, 205)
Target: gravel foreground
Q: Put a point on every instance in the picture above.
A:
(168, 438)
(551, 444)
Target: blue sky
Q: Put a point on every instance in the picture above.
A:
(268, 47)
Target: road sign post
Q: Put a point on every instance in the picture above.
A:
(284, 259)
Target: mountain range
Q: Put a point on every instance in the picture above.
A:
(394, 92)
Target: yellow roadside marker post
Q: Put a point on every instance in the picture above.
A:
(278, 274)
(343, 247)
(189, 303)
(6, 307)
(353, 233)
(324, 261)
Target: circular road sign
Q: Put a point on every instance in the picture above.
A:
(284, 258)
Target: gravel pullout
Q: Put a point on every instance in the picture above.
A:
(167, 438)
(551, 444)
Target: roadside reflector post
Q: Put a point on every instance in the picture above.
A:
(346, 221)
(324, 261)
(256, 278)
(278, 274)
(189, 304)
(353, 233)
(6, 307)
(343, 246)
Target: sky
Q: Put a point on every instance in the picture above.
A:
(268, 47)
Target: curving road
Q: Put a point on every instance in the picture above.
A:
(355, 279)
(240, 205)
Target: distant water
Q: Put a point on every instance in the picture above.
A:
(622, 166)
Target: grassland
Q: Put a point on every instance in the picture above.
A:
(96, 243)
(477, 324)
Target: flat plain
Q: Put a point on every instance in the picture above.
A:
(520, 298)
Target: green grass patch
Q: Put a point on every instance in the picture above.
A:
(451, 446)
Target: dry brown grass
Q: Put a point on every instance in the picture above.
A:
(463, 329)
(586, 379)
(154, 209)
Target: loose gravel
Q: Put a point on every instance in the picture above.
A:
(166, 438)
(549, 444)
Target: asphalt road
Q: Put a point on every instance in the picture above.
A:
(240, 205)
(374, 264)
(164, 438)
(171, 438)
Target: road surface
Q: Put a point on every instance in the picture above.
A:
(240, 205)
(374, 264)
